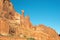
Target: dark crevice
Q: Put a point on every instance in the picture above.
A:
(12, 31)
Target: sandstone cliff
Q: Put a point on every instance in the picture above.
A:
(14, 26)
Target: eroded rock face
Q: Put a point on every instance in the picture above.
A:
(4, 27)
(14, 26)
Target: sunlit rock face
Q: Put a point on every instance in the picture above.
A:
(4, 27)
(17, 18)
(15, 26)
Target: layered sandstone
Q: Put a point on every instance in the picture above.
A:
(14, 26)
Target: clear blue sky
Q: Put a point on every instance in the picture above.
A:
(45, 12)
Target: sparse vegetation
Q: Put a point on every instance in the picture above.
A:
(30, 39)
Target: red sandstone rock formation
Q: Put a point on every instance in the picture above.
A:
(14, 26)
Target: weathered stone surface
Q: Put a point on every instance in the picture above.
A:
(4, 27)
(14, 26)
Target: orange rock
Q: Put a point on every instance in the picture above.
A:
(4, 27)
(14, 26)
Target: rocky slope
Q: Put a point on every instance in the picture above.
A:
(14, 26)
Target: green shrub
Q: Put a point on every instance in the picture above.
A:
(30, 39)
